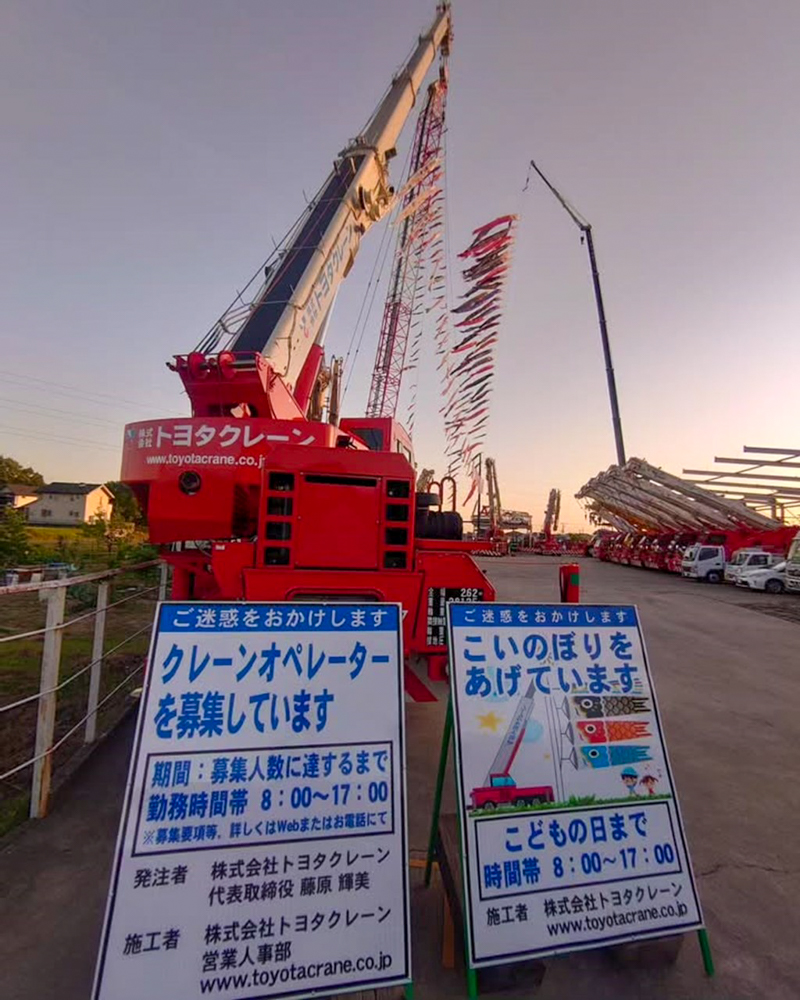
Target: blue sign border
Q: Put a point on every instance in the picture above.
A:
(457, 618)
(368, 983)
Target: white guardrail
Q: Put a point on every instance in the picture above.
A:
(53, 594)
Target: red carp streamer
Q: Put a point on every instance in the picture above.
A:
(469, 364)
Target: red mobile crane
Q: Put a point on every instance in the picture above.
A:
(251, 497)
(488, 519)
(499, 788)
(551, 545)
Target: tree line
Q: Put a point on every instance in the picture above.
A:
(115, 534)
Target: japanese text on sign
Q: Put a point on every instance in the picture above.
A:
(263, 844)
(564, 786)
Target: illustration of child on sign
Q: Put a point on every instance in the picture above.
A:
(649, 782)
(630, 779)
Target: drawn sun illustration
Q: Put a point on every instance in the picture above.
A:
(489, 721)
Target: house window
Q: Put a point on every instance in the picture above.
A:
(46, 512)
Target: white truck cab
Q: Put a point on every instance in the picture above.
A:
(704, 562)
(792, 579)
(745, 560)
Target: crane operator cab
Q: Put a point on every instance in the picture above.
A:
(386, 434)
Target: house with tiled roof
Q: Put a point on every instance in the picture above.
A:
(64, 504)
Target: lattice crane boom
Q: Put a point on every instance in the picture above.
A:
(552, 512)
(418, 208)
(493, 489)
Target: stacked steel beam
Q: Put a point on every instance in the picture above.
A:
(640, 497)
(770, 490)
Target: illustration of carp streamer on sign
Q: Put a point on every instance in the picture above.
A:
(575, 722)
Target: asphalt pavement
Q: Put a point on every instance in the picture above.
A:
(726, 665)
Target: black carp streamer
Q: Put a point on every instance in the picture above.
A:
(469, 364)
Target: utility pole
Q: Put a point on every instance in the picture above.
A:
(586, 231)
(478, 507)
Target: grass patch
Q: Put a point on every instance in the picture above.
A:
(14, 811)
(81, 548)
(45, 536)
(573, 802)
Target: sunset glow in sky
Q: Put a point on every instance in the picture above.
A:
(152, 151)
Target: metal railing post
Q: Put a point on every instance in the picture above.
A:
(162, 581)
(46, 719)
(97, 662)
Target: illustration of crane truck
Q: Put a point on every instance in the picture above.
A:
(499, 788)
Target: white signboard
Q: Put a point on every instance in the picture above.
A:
(262, 850)
(570, 826)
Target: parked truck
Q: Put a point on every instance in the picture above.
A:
(793, 565)
(745, 560)
(708, 559)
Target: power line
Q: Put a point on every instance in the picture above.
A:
(6, 403)
(73, 390)
(84, 442)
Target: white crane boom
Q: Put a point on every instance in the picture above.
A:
(286, 317)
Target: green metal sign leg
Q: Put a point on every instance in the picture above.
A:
(705, 948)
(472, 975)
(437, 799)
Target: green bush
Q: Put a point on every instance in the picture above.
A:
(14, 547)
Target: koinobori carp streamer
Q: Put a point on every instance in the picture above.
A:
(468, 373)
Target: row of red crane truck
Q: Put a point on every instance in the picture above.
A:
(666, 550)
(659, 521)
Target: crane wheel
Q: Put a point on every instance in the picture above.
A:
(425, 500)
(445, 525)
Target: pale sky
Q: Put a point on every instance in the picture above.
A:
(151, 151)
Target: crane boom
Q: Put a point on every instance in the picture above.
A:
(493, 489)
(419, 208)
(277, 500)
(655, 500)
(586, 231)
(287, 318)
(502, 762)
(552, 512)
